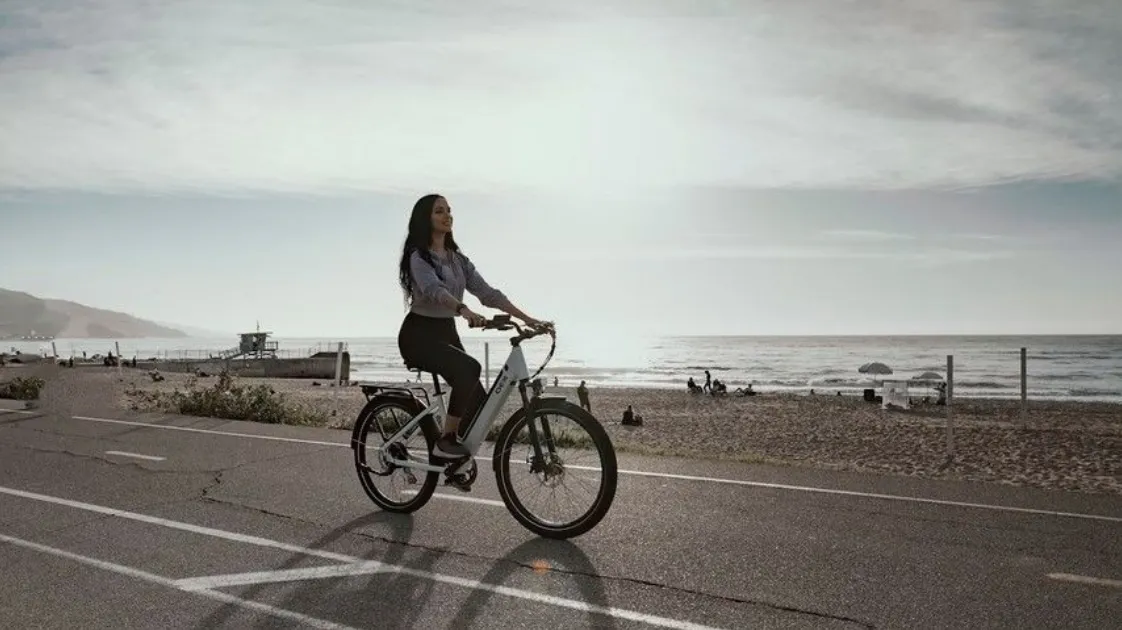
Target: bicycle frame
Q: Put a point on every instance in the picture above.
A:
(514, 373)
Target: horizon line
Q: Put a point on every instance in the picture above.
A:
(667, 336)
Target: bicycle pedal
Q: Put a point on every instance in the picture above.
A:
(460, 487)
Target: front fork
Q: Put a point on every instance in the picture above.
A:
(530, 404)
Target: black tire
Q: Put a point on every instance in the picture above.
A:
(603, 445)
(365, 424)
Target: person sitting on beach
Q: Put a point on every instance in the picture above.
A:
(718, 388)
(630, 418)
(693, 386)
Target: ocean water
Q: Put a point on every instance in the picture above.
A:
(1085, 368)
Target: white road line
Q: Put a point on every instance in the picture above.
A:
(211, 431)
(187, 527)
(560, 602)
(1083, 579)
(286, 575)
(642, 473)
(452, 497)
(151, 458)
(867, 495)
(19, 411)
(170, 583)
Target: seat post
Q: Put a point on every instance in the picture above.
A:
(436, 382)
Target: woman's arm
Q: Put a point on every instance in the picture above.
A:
(490, 296)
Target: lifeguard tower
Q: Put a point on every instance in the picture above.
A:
(256, 345)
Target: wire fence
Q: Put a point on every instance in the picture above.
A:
(142, 353)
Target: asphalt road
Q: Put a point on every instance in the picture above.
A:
(225, 526)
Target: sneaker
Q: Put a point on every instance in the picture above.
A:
(448, 447)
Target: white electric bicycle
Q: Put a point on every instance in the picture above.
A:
(536, 455)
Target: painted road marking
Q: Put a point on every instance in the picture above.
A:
(286, 575)
(560, 602)
(170, 583)
(642, 473)
(1083, 579)
(452, 497)
(151, 458)
(210, 431)
(868, 495)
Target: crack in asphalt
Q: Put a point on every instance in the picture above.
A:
(102, 458)
(690, 591)
(955, 539)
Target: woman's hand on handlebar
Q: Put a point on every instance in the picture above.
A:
(475, 320)
(537, 323)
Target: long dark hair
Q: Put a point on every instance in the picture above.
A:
(419, 239)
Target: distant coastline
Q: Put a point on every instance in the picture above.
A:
(26, 317)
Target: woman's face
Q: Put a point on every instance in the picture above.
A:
(441, 216)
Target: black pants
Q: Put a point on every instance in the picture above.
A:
(432, 344)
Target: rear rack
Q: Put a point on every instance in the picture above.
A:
(370, 390)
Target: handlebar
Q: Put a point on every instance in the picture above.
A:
(504, 322)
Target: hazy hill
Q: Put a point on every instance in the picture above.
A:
(21, 313)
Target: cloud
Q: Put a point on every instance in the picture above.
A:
(984, 237)
(867, 235)
(928, 256)
(128, 95)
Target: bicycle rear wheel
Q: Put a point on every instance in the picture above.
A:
(576, 458)
(392, 487)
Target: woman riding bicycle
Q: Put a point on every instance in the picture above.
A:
(434, 274)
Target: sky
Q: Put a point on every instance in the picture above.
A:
(622, 167)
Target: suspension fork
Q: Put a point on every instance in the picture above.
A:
(531, 405)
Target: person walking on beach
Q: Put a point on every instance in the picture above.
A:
(708, 382)
(434, 273)
(582, 394)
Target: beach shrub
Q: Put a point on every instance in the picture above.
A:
(230, 401)
(22, 388)
(561, 438)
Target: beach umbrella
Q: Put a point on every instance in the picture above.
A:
(875, 368)
(929, 376)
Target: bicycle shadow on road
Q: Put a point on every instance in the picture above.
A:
(547, 557)
(386, 599)
(319, 595)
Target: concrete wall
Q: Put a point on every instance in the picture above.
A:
(319, 366)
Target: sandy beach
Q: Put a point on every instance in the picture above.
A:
(1068, 445)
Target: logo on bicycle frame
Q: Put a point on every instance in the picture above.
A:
(500, 381)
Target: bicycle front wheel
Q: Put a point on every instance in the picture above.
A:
(565, 485)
